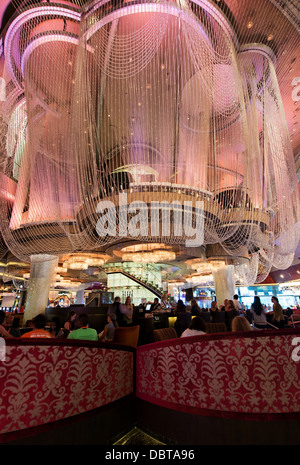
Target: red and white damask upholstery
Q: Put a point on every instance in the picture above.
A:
(251, 374)
(42, 382)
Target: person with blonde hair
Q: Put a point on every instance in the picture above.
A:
(240, 323)
(127, 310)
(214, 306)
(278, 318)
(164, 304)
(215, 313)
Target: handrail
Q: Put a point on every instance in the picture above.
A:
(137, 280)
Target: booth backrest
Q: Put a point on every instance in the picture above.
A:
(215, 327)
(48, 380)
(164, 333)
(246, 373)
(253, 375)
(127, 336)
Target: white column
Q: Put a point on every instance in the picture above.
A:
(224, 283)
(42, 272)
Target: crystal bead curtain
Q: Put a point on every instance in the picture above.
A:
(158, 100)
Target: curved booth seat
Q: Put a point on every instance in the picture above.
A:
(224, 388)
(45, 382)
(250, 373)
(227, 388)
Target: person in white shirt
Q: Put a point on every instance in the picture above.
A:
(237, 304)
(196, 327)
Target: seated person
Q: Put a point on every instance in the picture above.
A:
(109, 331)
(230, 313)
(116, 308)
(69, 323)
(195, 309)
(237, 304)
(183, 318)
(82, 330)
(3, 331)
(14, 330)
(240, 323)
(38, 330)
(142, 308)
(196, 327)
(155, 305)
(259, 314)
(223, 307)
(217, 316)
(55, 329)
(164, 304)
(278, 318)
(214, 306)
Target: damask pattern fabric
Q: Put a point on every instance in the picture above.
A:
(42, 383)
(258, 374)
(255, 375)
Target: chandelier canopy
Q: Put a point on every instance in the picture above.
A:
(144, 103)
(148, 253)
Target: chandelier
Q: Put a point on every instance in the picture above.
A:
(150, 257)
(67, 284)
(148, 253)
(97, 262)
(61, 269)
(78, 265)
(84, 261)
(200, 280)
(158, 103)
(204, 266)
